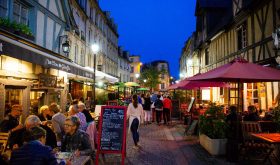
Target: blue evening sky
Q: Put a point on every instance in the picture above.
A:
(153, 29)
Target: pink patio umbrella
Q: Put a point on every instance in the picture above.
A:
(173, 86)
(187, 84)
(240, 71)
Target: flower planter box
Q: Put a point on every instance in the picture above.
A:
(213, 146)
(29, 37)
(8, 29)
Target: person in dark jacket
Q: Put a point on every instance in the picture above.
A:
(252, 116)
(11, 122)
(158, 108)
(16, 138)
(34, 150)
(147, 109)
(75, 139)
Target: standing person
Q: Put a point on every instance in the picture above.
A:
(135, 115)
(147, 109)
(167, 105)
(142, 99)
(34, 151)
(158, 108)
(11, 122)
(153, 99)
(58, 120)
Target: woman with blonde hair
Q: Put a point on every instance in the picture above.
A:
(44, 113)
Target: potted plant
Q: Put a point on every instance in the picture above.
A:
(213, 129)
(276, 117)
(16, 28)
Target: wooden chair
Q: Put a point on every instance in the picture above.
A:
(3, 141)
(252, 148)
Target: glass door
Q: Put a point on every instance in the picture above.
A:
(13, 96)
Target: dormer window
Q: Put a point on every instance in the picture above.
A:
(237, 5)
(242, 36)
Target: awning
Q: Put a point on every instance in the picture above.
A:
(22, 51)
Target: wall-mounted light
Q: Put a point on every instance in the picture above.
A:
(137, 75)
(65, 46)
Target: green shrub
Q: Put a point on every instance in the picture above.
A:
(213, 124)
(276, 116)
(16, 26)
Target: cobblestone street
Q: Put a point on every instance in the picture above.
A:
(164, 145)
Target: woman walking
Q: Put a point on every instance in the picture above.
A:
(135, 115)
(147, 109)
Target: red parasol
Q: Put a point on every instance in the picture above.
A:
(240, 70)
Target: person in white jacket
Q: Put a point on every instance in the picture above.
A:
(135, 115)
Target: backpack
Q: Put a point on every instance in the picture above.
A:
(158, 104)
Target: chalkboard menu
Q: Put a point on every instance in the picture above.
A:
(112, 126)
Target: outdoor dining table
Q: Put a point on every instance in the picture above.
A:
(81, 160)
(273, 138)
(75, 160)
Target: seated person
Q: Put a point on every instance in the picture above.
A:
(11, 122)
(58, 120)
(16, 137)
(44, 113)
(82, 108)
(232, 116)
(74, 111)
(252, 114)
(34, 150)
(74, 138)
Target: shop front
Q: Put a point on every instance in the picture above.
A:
(33, 76)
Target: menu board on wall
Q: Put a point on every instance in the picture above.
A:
(112, 126)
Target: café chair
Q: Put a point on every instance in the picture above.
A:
(3, 141)
(251, 147)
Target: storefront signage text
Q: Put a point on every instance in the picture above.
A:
(60, 66)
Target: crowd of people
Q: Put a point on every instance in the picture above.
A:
(52, 130)
(41, 136)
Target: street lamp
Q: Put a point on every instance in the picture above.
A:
(65, 46)
(137, 75)
(95, 49)
(145, 81)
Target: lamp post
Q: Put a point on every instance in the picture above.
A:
(95, 49)
(65, 45)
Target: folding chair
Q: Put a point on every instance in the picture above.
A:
(254, 149)
(3, 141)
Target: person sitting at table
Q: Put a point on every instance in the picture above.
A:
(44, 113)
(34, 150)
(11, 121)
(58, 120)
(82, 108)
(75, 139)
(16, 137)
(74, 111)
(252, 115)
